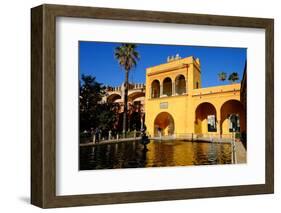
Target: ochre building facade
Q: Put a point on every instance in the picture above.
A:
(177, 106)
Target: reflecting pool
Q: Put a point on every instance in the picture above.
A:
(158, 154)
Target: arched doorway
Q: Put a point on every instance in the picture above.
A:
(155, 89)
(136, 106)
(205, 118)
(233, 117)
(164, 124)
(167, 86)
(180, 84)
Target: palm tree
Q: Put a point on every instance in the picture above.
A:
(222, 76)
(127, 57)
(233, 77)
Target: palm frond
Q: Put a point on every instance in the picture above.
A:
(126, 56)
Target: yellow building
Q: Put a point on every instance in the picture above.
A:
(177, 106)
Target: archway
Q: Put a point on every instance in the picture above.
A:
(164, 124)
(180, 84)
(155, 89)
(233, 117)
(135, 95)
(136, 106)
(167, 86)
(113, 97)
(205, 118)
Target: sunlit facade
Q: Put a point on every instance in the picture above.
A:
(177, 106)
(173, 103)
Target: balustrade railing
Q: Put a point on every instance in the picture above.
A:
(110, 136)
(197, 137)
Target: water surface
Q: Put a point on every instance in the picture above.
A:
(159, 154)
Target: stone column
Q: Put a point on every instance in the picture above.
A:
(219, 128)
(161, 90)
(173, 88)
(218, 118)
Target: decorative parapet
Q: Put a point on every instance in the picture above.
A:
(131, 87)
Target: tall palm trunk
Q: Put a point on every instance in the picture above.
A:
(127, 57)
(125, 102)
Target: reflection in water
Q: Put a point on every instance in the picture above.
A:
(165, 153)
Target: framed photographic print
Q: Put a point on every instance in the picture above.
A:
(137, 106)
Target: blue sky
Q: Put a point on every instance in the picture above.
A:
(97, 59)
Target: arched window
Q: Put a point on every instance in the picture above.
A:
(180, 84)
(155, 89)
(167, 87)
